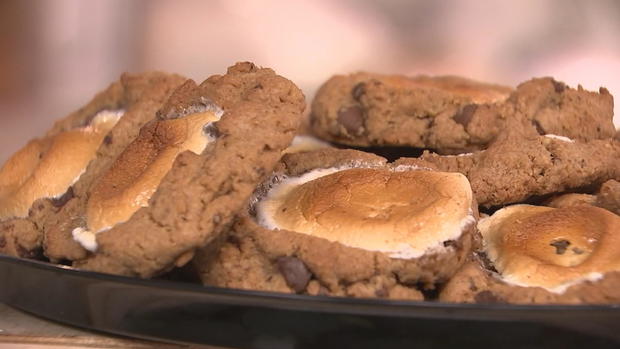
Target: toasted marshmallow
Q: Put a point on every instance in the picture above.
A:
(303, 143)
(47, 167)
(137, 172)
(552, 248)
(404, 214)
(560, 138)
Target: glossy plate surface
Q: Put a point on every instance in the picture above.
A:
(188, 313)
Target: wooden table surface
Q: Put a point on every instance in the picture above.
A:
(19, 330)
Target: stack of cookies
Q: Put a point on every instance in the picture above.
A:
(418, 188)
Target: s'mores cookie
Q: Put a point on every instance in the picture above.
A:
(346, 223)
(38, 181)
(452, 114)
(180, 183)
(540, 254)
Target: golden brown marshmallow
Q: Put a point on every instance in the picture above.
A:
(137, 172)
(47, 167)
(304, 143)
(552, 248)
(401, 213)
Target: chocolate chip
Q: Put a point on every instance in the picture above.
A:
(234, 240)
(107, 140)
(323, 291)
(560, 246)
(558, 86)
(295, 272)
(578, 250)
(487, 297)
(2, 241)
(486, 261)
(24, 253)
(381, 293)
(352, 118)
(465, 116)
(211, 130)
(61, 201)
(358, 90)
(449, 243)
(539, 128)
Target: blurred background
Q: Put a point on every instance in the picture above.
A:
(57, 54)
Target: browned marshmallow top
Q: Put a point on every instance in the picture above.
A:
(552, 248)
(47, 167)
(136, 174)
(402, 213)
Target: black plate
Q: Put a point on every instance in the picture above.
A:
(188, 313)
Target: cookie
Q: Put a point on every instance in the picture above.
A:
(607, 197)
(540, 254)
(41, 178)
(207, 183)
(346, 223)
(451, 114)
(519, 166)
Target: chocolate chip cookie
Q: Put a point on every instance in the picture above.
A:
(519, 166)
(451, 114)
